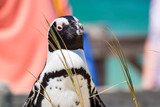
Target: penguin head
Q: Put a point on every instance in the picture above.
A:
(70, 30)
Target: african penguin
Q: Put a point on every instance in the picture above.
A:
(54, 77)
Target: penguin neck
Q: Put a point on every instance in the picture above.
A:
(79, 52)
(69, 47)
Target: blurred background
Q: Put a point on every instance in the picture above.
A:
(129, 21)
(135, 23)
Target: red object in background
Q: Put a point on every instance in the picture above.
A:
(21, 45)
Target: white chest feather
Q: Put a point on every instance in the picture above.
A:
(56, 59)
(62, 92)
(60, 89)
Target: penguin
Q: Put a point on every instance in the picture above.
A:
(54, 77)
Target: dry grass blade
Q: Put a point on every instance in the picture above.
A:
(39, 83)
(70, 58)
(116, 50)
(65, 64)
(107, 89)
(41, 94)
(78, 86)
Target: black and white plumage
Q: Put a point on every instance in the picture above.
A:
(54, 77)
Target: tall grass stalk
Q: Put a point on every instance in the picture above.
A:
(47, 97)
(117, 52)
(107, 89)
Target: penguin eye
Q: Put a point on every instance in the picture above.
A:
(59, 28)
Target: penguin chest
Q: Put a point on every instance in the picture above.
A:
(62, 92)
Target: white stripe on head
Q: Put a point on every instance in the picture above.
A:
(59, 22)
(76, 19)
